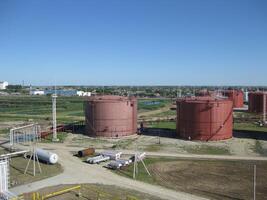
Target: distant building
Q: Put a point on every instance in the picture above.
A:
(82, 93)
(37, 92)
(3, 85)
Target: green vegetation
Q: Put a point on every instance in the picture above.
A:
(249, 126)
(123, 143)
(60, 135)
(206, 149)
(4, 131)
(39, 108)
(152, 104)
(258, 148)
(142, 174)
(164, 114)
(169, 125)
(154, 147)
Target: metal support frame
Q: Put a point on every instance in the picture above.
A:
(136, 160)
(34, 159)
(29, 134)
(264, 107)
(4, 180)
(254, 182)
(24, 134)
(54, 115)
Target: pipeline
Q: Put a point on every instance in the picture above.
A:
(37, 196)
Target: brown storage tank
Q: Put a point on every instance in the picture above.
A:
(237, 96)
(255, 102)
(204, 118)
(110, 116)
(202, 93)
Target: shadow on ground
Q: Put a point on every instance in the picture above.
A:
(257, 135)
(161, 132)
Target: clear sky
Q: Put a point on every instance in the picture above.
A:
(134, 42)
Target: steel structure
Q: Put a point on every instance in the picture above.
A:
(29, 134)
(25, 134)
(110, 116)
(264, 108)
(204, 118)
(54, 115)
(139, 157)
(4, 180)
(33, 158)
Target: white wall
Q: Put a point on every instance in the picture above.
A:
(3, 85)
(37, 92)
(82, 93)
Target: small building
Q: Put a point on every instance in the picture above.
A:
(83, 94)
(37, 92)
(3, 85)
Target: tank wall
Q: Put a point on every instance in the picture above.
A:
(255, 102)
(237, 96)
(111, 118)
(204, 121)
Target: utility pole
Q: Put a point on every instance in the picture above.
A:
(264, 108)
(254, 183)
(54, 110)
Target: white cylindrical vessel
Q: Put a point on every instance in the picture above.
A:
(47, 156)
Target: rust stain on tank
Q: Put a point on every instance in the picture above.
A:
(255, 102)
(204, 118)
(110, 116)
(237, 96)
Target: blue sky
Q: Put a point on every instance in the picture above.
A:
(140, 42)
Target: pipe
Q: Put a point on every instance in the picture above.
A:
(13, 154)
(86, 152)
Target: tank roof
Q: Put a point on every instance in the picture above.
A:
(203, 99)
(109, 98)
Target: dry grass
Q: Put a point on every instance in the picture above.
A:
(96, 191)
(212, 179)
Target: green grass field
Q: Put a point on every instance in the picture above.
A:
(245, 126)
(152, 104)
(60, 135)
(249, 126)
(162, 124)
(37, 108)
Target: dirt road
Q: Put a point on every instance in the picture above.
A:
(76, 172)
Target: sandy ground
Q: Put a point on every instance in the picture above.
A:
(76, 172)
(234, 146)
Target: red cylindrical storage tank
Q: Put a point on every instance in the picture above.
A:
(110, 116)
(255, 101)
(237, 96)
(204, 118)
(202, 93)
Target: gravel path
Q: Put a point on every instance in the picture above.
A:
(76, 172)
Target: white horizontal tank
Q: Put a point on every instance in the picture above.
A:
(47, 156)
